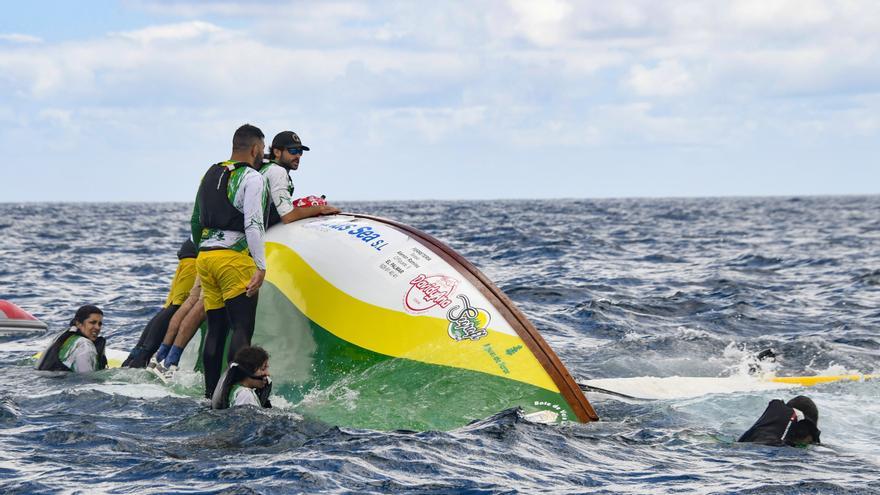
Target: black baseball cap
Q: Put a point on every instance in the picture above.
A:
(288, 139)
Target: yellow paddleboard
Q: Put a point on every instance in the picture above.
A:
(809, 381)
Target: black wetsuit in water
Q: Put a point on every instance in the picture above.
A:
(782, 425)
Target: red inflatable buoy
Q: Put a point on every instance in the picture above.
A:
(16, 320)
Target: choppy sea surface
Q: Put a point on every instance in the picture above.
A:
(619, 288)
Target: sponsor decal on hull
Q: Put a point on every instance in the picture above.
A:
(363, 233)
(556, 408)
(403, 264)
(466, 321)
(428, 291)
(496, 358)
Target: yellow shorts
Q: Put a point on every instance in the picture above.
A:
(183, 281)
(225, 274)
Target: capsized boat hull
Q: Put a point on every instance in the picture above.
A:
(370, 323)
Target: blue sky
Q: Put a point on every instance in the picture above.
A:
(131, 100)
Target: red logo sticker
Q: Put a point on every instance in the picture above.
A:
(427, 291)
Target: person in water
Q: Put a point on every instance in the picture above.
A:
(246, 382)
(228, 225)
(793, 423)
(150, 341)
(80, 348)
(285, 154)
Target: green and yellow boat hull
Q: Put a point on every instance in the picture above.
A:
(373, 324)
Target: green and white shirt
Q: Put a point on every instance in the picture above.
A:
(279, 185)
(79, 354)
(244, 396)
(247, 193)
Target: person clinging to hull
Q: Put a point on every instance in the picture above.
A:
(228, 226)
(80, 348)
(151, 339)
(183, 326)
(285, 154)
(246, 382)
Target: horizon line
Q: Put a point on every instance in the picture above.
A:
(532, 198)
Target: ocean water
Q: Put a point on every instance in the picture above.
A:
(619, 288)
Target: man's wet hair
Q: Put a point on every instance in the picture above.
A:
(806, 406)
(83, 313)
(245, 137)
(250, 359)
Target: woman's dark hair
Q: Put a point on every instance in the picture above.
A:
(250, 359)
(83, 313)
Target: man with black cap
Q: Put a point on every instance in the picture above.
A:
(793, 423)
(285, 154)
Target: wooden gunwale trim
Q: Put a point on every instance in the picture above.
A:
(568, 387)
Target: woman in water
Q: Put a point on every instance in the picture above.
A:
(78, 349)
(246, 382)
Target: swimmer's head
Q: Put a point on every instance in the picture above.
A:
(806, 406)
(254, 361)
(804, 432)
(88, 320)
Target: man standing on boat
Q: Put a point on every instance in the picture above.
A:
(284, 156)
(228, 226)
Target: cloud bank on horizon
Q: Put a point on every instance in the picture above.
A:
(461, 100)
